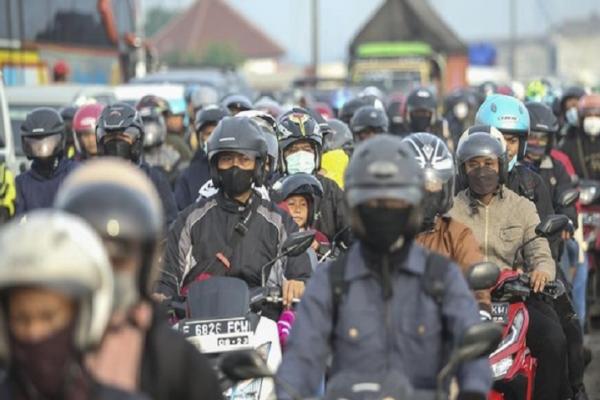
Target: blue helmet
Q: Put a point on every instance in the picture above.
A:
(508, 115)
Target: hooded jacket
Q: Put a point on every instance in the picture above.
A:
(502, 226)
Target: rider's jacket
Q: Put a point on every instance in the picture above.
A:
(37, 191)
(163, 188)
(502, 226)
(192, 179)
(332, 216)
(202, 233)
(409, 333)
(584, 153)
(456, 241)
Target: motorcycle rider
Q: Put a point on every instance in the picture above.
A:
(67, 114)
(383, 320)
(368, 121)
(484, 207)
(460, 107)
(351, 106)
(84, 128)
(8, 193)
(198, 172)
(422, 115)
(43, 142)
(236, 103)
(157, 153)
(338, 144)
(567, 112)
(56, 295)
(235, 231)
(583, 147)
(541, 138)
(439, 232)
(510, 116)
(140, 351)
(300, 143)
(120, 133)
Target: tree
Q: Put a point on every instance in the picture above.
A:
(156, 18)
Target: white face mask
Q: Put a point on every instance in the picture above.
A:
(301, 161)
(572, 116)
(591, 126)
(461, 110)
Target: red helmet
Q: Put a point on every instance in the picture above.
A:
(87, 116)
(324, 109)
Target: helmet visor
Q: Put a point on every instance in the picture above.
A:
(155, 133)
(41, 147)
(133, 133)
(360, 195)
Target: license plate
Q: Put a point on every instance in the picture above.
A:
(216, 336)
(500, 312)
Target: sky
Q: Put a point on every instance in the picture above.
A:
(288, 21)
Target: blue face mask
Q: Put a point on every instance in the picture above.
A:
(512, 163)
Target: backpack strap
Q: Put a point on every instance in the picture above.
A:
(433, 280)
(338, 285)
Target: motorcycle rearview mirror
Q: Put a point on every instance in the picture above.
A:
(297, 243)
(478, 341)
(244, 364)
(483, 275)
(568, 197)
(552, 225)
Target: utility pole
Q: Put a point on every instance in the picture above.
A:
(513, 38)
(315, 35)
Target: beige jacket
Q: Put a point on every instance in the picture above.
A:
(502, 226)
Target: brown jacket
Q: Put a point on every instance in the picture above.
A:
(456, 241)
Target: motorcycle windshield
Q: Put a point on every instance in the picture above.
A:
(217, 298)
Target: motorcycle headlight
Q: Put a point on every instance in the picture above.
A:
(513, 333)
(500, 368)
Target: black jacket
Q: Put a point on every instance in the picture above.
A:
(205, 229)
(333, 215)
(530, 185)
(191, 179)
(584, 153)
(172, 368)
(164, 191)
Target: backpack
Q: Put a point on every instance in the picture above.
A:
(432, 280)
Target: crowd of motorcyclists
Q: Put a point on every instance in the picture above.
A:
(124, 208)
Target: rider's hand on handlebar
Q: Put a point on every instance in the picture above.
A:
(159, 297)
(538, 280)
(291, 290)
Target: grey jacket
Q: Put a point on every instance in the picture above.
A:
(407, 333)
(502, 226)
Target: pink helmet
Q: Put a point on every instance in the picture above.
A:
(87, 116)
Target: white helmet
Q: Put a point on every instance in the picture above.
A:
(56, 250)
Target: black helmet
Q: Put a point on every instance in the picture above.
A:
(478, 144)
(155, 127)
(369, 117)
(241, 135)
(152, 101)
(437, 162)
(120, 202)
(43, 133)
(383, 167)
(120, 118)
(268, 126)
(236, 102)
(351, 106)
(67, 113)
(421, 99)
(302, 184)
(573, 92)
(297, 125)
(211, 114)
(339, 136)
(542, 124)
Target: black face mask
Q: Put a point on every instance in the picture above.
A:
(119, 148)
(431, 207)
(420, 123)
(45, 166)
(483, 181)
(384, 227)
(236, 181)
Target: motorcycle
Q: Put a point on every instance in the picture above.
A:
(477, 341)
(513, 365)
(222, 315)
(590, 215)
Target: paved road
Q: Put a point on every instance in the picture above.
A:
(592, 373)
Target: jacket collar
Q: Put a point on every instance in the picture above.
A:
(233, 206)
(356, 267)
